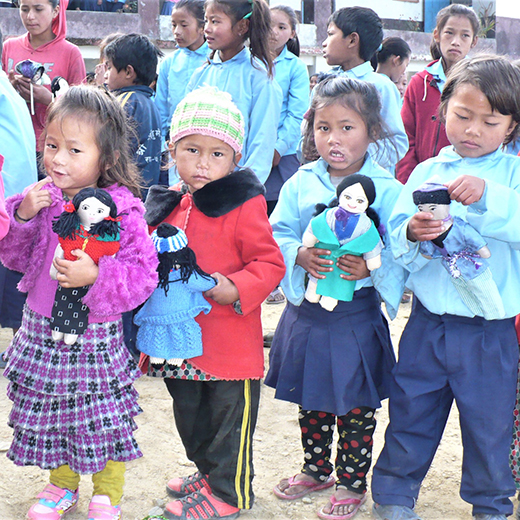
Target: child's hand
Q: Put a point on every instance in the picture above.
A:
(309, 259)
(355, 266)
(422, 227)
(276, 159)
(35, 199)
(78, 273)
(466, 189)
(225, 292)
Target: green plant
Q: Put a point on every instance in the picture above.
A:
(487, 20)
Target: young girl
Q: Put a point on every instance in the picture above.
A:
(44, 42)
(101, 68)
(245, 73)
(76, 415)
(224, 217)
(392, 59)
(446, 351)
(354, 35)
(176, 70)
(453, 37)
(334, 365)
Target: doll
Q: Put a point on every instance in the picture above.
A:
(90, 222)
(168, 331)
(347, 227)
(35, 72)
(462, 251)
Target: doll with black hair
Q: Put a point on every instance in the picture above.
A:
(462, 250)
(348, 226)
(168, 331)
(90, 222)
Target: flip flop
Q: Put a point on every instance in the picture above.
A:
(275, 297)
(357, 502)
(309, 487)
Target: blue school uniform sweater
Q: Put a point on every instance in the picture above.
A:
(388, 151)
(291, 74)
(298, 197)
(174, 74)
(258, 98)
(496, 216)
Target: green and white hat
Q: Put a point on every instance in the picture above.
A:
(209, 111)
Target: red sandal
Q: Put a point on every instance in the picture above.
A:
(183, 486)
(201, 504)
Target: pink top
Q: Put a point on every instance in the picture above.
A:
(4, 217)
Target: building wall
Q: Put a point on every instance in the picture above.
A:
(391, 9)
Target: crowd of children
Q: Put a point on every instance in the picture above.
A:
(278, 186)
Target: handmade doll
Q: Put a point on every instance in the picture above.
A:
(462, 251)
(90, 222)
(347, 227)
(35, 72)
(168, 331)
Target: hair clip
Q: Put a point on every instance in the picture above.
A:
(114, 219)
(69, 207)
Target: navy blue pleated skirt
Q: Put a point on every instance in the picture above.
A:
(332, 361)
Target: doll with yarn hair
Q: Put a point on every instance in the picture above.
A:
(462, 251)
(168, 331)
(90, 222)
(347, 227)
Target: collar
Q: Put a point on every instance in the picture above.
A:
(284, 55)
(243, 55)
(201, 51)
(449, 155)
(357, 72)
(143, 89)
(436, 70)
(214, 200)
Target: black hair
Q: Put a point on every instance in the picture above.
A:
(392, 46)
(360, 96)
(496, 77)
(185, 259)
(293, 44)
(363, 21)
(67, 224)
(442, 19)
(194, 7)
(440, 196)
(138, 51)
(259, 28)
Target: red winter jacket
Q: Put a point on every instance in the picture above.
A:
(420, 113)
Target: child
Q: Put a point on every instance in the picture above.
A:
(354, 35)
(453, 37)
(176, 70)
(313, 80)
(131, 64)
(44, 42)
(223, 214)
(446, 351)
(76, 416)
(334, 365)
(100, 69)
(393, 58)
(242, 72)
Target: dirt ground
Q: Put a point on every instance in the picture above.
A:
(277, 454)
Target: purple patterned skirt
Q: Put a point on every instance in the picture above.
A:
(71, 404)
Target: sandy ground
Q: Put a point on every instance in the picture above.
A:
(277, 454)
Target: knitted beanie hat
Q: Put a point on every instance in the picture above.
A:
(431, 193)
(170, 239)
(209, 111)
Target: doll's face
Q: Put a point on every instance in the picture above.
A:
(353, 199)
(439, 211)
(91, 211)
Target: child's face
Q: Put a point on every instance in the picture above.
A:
(472, 126)
(71, 154)
(353, 199)
(92, 211)
(338, 50)
(186, 30)
(115, 80)
(401, 84)
(281, 31)
(455, 39)
(37, 16)
(201, 159)
(221, 34)
(341, 138)
(313, 81)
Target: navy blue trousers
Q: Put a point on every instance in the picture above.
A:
(442, 358)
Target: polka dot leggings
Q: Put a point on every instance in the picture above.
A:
(354, 451)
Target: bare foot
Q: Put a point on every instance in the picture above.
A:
(285, 487)
(343, 493)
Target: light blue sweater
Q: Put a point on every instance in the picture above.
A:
(258, 98)
(496, 216)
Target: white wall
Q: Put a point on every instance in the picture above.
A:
(508, 8)
(392, 9)
(295, 4)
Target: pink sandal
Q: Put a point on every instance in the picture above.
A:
(308, 485)
(54, 503)
(357, 502)
(100, 508)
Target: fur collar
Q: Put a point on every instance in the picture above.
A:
(215, 199)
